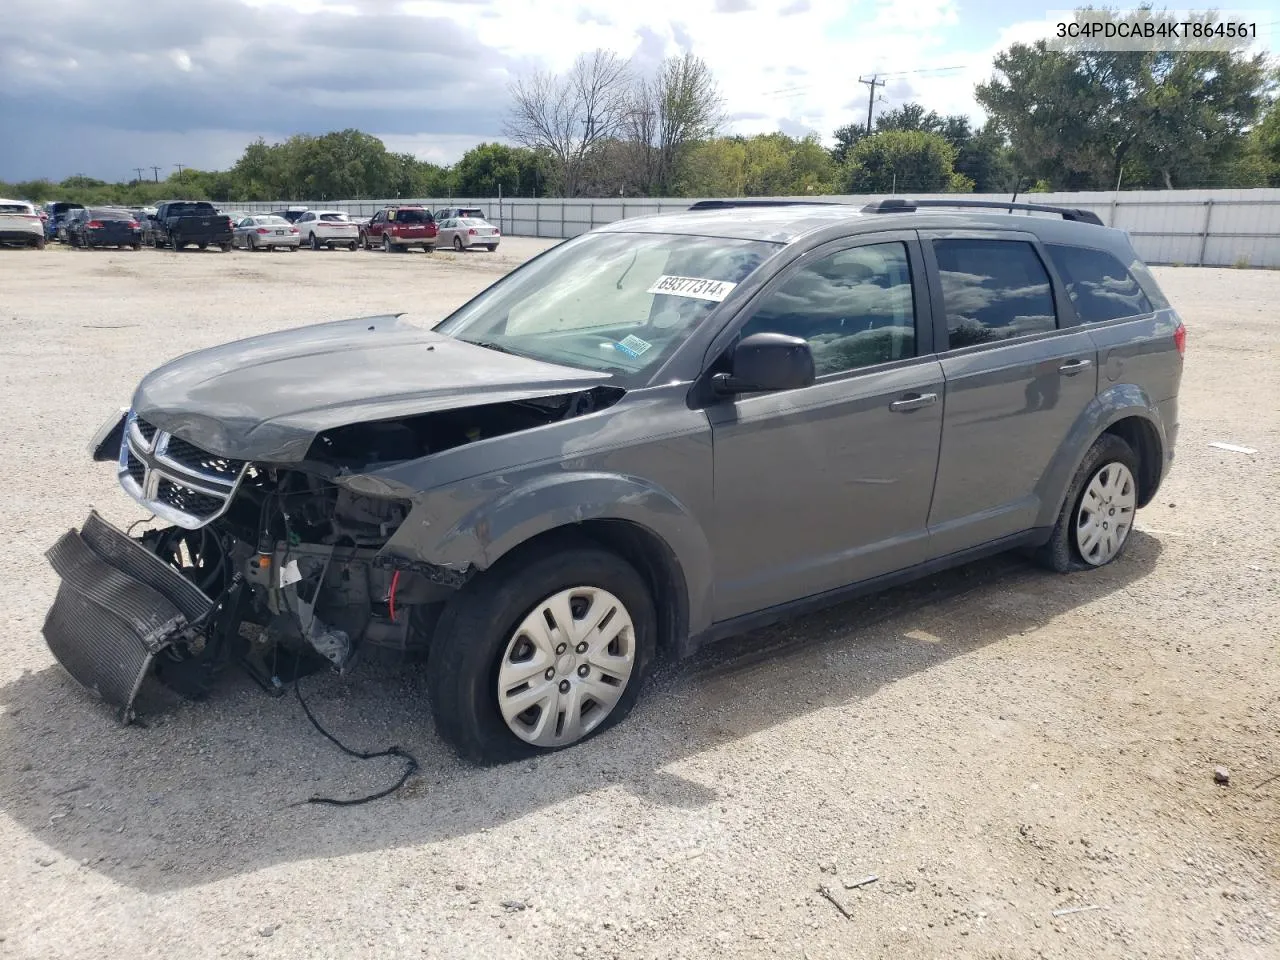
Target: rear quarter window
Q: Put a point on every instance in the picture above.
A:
(993, 290)
(1100, 286)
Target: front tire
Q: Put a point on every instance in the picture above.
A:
(544, 650)
(1098, 511)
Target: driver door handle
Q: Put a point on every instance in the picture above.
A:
(1075, 366)
(913, 402)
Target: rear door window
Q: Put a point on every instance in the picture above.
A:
(1099, 285)
(993, 290)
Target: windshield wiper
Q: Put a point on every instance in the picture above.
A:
(490, 345)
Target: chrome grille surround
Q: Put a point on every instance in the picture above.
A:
(167, 484)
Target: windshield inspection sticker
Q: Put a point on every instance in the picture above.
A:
(633, 346)
(696, 287)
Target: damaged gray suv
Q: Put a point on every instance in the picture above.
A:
(664, 431)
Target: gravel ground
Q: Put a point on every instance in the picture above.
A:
(994, 745)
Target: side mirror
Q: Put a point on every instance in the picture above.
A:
(767, 362)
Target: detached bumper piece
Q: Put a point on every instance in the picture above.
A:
(118, 606)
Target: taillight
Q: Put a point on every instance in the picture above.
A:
(94, 224)
(133, 224)
(496, 231)
(472, 231)
(264, 230)
(1180, 339)
(293, 229)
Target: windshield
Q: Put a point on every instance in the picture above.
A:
(615, 302)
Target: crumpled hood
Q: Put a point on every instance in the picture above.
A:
(266, 398)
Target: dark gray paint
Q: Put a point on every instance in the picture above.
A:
(758, 501)
(266, 398)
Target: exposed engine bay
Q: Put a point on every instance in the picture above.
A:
(290, 565)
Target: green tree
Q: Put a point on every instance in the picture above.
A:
(846, 137)
(901, 160)
(482, 169)
(1077, 117)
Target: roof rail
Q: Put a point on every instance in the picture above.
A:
(897, 205)
(731, 204)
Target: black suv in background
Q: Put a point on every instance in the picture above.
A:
(664, 431)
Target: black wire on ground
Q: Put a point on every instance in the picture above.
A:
(411, 762)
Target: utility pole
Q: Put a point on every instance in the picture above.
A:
(138, 171)
(874, 82)
(156, 173)
(180, 168)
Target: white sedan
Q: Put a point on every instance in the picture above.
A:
(464, 232)
(328, 228)
(265, 231)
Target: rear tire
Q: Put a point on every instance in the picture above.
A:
(457, 244)
(351, 246)
(480, 627)
(250, 243)
(387, 246)
(313, 242)
(39, 243)
(491, 247)
(225, 247)
(202, 246)
(1113, 465)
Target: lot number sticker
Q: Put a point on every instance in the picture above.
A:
(695, 287)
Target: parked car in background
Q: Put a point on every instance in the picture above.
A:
(291, 213)
(328, 228)
(183, 223)
(448, 213)
(400, 228)
(462, 233)
(103, 227)
(20, 224)
(266, 231)
(59, 210)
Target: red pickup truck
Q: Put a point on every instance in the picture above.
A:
(399, 228)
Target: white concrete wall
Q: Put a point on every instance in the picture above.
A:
(1192, 227)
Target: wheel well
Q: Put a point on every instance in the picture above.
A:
(1141, 435)
(645, 551)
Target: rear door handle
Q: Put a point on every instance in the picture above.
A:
(907, 404)
(1074, 366)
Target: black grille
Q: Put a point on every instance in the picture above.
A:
(193, 458)
(136, 469)
(191, 502)
(146, 429)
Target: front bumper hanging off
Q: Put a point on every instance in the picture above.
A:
(118, 606)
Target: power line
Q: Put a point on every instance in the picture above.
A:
(797, 89)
